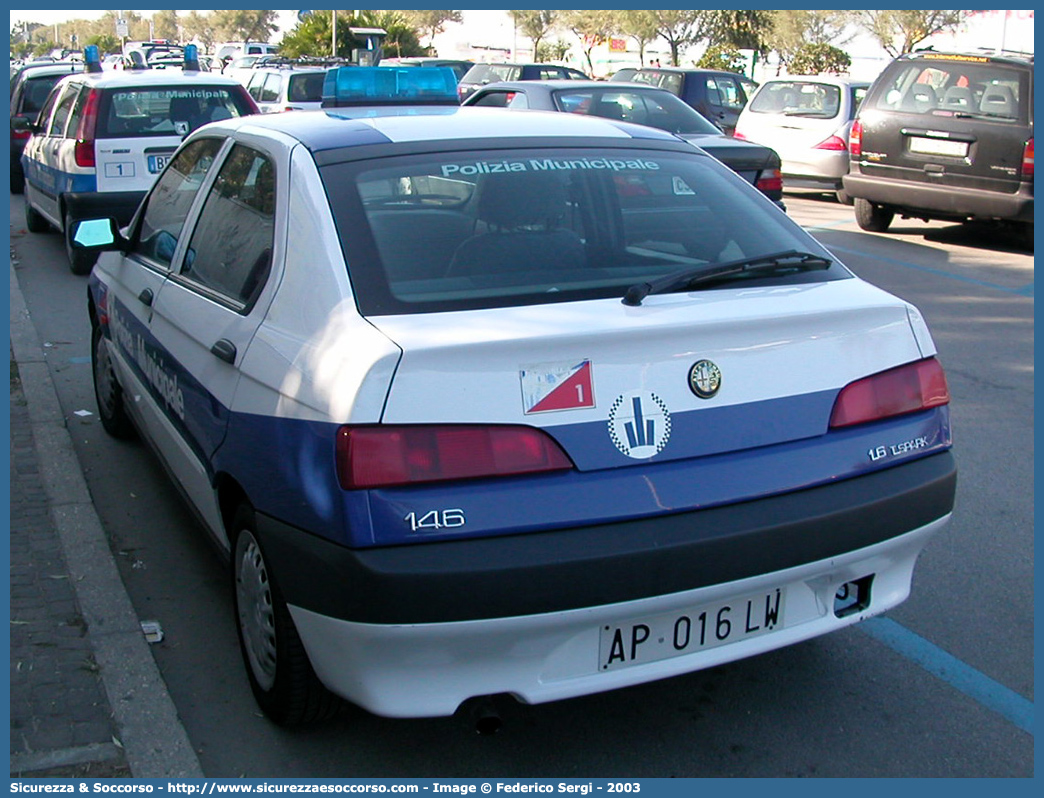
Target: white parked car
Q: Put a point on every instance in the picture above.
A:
(482, 403)
(807, 121)
(102, 137)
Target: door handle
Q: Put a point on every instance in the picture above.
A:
(224, 350)
(146, 297)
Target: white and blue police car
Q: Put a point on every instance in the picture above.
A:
(102, 137)
(527, 404)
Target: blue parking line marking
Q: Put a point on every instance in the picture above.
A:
(1024, 291)
(972, 683)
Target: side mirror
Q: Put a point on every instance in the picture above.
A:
(22, 124)
(98, 235)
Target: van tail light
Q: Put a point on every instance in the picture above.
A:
(84, 149)
(737, 135)
(834, 144)
(1027, 161)
(855, 140)
(770, 180)
(21, 135)
(383, 456)
(907, 389)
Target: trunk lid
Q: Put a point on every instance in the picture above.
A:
(612, 383)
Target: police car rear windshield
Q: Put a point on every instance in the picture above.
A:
(166, 111)
(473, 229)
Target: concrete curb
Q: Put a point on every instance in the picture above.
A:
(154, 741)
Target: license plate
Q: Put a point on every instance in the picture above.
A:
(157, 162)
(953, 149)
(675, 634)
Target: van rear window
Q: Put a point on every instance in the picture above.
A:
(945, 88)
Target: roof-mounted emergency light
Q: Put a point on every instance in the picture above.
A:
(191, 58)
(355, 86)
(92, 58)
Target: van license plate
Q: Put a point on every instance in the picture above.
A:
(157, 162)
(953, 149)
(659, 637)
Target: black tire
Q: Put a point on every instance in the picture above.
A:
(17, 181)
(1026, 235)
(34, 222)
(80, 262)
(107, 390)
(281, 677)
(873, 218)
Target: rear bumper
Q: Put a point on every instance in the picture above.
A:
(429, 670)
(414, 631)
(570, 569)
(942, 202)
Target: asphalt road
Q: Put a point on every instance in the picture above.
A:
(941, 687)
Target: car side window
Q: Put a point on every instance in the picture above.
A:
(230, 252)
(254, 86)
(270, 91)
(44, 117)
(169, 202)
(63, 111)
(495, 99)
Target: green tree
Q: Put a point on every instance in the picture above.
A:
(553, 51)
(200, 27)
(726, 58)
(243, 26)
(899, 32)
(431, 23)
(814, 59)
(680, 29)
(536, 25)
(591, 28)
(639, 25)
(792, 30)
(402, 39)
(105, 42)
(165, 25)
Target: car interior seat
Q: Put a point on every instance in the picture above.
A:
(998, 100)
(186, 111)
(522, 214)
(920, 98)
(959, 98)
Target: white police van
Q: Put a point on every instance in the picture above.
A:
(538, 405)
(102, 137)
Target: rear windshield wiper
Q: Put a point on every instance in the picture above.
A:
(791, 259)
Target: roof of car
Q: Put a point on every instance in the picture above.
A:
(55, 68)
(152, 77)
(337, 128)
(838, 80)
(572, 85)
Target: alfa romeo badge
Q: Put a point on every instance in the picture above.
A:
(704, 379)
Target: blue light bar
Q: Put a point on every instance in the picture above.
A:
(191, 58)
(355, 85)
(92, 58)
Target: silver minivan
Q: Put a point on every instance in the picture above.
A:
(806, 120)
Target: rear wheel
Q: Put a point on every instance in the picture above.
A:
(281, 677)
(34, 221)
(17, 181)
(874, 218)
(107, 390)
(80, 261)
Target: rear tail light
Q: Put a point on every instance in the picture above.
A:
(770, 180)
(834, 143)
(906, 389)
(376, 457)
(18, 135)
(1027, 161)
(855, 140)
(84, 149)
(737, 135)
